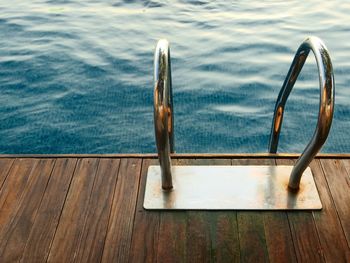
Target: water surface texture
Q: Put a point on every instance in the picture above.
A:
(77, 76)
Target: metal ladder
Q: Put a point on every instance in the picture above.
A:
(325, 115)
(163, 109)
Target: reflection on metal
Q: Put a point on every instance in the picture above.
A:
(230, 187)
(237, 187)
(325, 115)
(163, 111)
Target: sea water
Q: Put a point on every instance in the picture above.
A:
(77, 76)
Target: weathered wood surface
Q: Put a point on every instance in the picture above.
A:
(84, 209)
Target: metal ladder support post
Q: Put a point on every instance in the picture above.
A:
(163, 111)
(227, 187)
(325, 115)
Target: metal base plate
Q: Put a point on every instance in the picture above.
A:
(230, 188)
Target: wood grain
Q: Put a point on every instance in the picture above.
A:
(207, 242)
(278, 235)
(72, 221)
(13, 189)
(45, 224)
(346, 163)
(225, 240)
(16, 233)
(118, 240)
(5, 165)
(91, 210)
(339, 184)
(198, 226)
(252, 238)
(95, 230)
(144, 242)
(172, 235)
(333, 241)
(304, 233)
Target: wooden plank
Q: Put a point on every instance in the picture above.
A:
(198, 245)
(144, 242)
(16, 233)
(304, 233)
(332, 238)
(45, 224)
(252, 237)
(251, 230)
(198, 236)
(279, 240)
(71, 224)
(206, 239)
(13, 189)
(346, 164)
(215, 242)
(274, 230)
(5, 165)
(278, 237)
(172, 234)
(339, 184)
(118, 240)
(224, 238)
(95, 231)
(198, 226)
(172, 237)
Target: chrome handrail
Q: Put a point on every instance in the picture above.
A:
(163, 111)
(325, 115)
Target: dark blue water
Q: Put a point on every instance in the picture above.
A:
(76, 76)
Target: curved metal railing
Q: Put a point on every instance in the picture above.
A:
(325, 115)
(163, 111)
(163, 107)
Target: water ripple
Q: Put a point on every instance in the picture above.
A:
(76, 76)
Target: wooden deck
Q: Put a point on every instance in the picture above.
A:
(89, 209)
